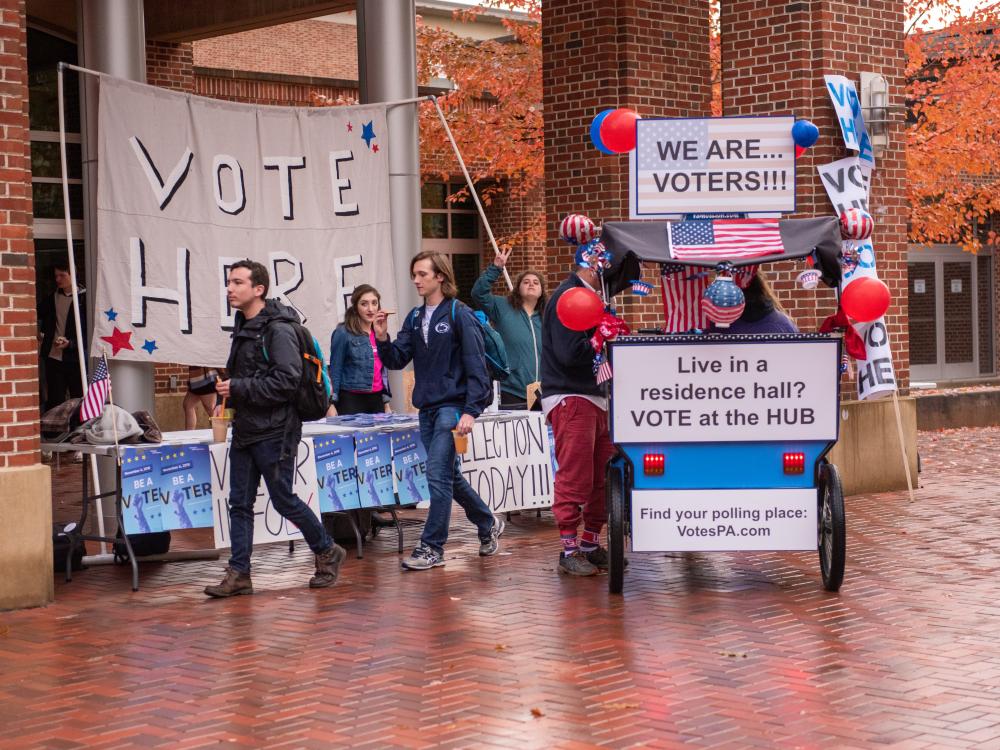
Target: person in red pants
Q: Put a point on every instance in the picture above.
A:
(577, 409)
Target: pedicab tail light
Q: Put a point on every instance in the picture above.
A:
(652, 464)
(794, 463)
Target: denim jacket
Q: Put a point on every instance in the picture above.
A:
(352, 364)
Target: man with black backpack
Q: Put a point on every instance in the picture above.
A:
(451, 388)
(265, 365)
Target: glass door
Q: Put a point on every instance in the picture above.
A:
(950, 314)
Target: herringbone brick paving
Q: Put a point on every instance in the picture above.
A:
(703, 650)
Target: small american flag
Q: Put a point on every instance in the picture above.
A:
(97, 392)
(603, 372)
(724, 239)
(682, 289)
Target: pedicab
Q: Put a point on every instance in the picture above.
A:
(723, 439)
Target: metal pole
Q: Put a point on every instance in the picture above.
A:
(81, 349)
(112, 40)
(472, 188)
(387, 71)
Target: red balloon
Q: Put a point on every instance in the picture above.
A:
(865, 299)
(579, 309)
(618, 131)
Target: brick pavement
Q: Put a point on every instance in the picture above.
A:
(703, 650)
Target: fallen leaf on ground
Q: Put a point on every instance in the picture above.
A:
(537, 712)
(500, 647)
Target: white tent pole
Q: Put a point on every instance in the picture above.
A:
(81, 353)
(472, 188)
(902, 444)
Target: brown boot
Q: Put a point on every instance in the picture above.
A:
(233, 584)
(328, 567)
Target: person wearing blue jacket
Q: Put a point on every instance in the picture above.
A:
(451, 388)
(357, 376)
(518, 319)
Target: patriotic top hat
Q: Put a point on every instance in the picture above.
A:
(856, 224)
(723, 301)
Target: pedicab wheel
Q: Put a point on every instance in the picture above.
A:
(832, 527)
(616, 529)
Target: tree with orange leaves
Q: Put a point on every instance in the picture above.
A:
(495, 109)
(953, 93)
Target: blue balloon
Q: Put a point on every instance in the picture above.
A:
(595, 131)
(804, 133)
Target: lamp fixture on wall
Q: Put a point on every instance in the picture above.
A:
(875, 105)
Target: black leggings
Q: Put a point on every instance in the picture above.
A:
(349, 402)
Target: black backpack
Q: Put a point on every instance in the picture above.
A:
(497, 363)
(312, 397)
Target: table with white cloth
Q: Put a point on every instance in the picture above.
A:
(343, 464)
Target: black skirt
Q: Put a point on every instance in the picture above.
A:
(349, 402)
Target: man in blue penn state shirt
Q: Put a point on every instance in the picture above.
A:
(451, 388)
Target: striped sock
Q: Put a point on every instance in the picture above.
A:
(591, 540)
(569, 543)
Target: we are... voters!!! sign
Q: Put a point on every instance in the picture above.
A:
(712, 165)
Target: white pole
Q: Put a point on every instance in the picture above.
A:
(902, 444)
(81, 354)
(472, 188)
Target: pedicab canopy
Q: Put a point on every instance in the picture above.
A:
(708, 242)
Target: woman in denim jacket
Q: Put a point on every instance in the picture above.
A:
(357, 376)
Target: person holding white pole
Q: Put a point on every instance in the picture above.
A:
(518, 319)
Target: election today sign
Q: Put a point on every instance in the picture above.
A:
(725, 391)
(712, 165)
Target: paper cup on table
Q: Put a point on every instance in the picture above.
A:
(461, 442)
(220, 429)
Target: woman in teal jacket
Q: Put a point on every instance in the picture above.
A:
(518, 319)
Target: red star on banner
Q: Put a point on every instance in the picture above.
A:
(349, 127)
(118, 340)
(374, 148)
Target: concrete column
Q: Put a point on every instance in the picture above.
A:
(111, 39)
(387, 71)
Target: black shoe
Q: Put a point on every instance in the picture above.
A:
(328, 567)
(233, 584)
(599, 558)
(577, 564)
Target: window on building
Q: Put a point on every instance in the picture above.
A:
(45, 52)
(452, 227)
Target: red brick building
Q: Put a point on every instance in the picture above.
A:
(645, 54)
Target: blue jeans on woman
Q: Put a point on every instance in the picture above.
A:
(274, 460)
(445, 480)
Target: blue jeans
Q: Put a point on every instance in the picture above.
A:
(274, 460)
(445, 480)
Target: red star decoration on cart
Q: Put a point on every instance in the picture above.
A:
(119, 340)
(349, 127)
(374, 148)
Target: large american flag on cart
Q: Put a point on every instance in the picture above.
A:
(724, 239)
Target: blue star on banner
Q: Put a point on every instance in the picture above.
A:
(112, 314)
(368, 133)
(149, 346)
